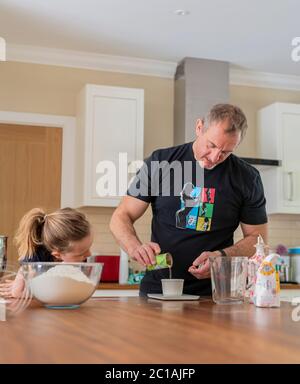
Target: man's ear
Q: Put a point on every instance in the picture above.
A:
(199, 127)
(56, 255)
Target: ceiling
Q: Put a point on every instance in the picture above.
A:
(254, 35)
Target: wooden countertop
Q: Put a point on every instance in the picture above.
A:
(289, 286)
(137, 330)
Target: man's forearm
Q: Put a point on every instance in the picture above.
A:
(123, 231)
(244, 247)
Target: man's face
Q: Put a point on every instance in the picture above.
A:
(213, 145)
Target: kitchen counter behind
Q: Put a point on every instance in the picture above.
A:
(136, 286)
(117, 286)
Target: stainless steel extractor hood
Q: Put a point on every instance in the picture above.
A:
(199, 84)
(262, 162)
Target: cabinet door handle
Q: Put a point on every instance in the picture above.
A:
(291, 186)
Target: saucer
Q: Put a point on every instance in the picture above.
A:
(160, 296)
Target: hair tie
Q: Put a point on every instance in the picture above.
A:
(42, 220)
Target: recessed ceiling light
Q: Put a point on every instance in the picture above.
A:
(182, 12)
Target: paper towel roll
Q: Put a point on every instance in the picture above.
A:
(123, 269)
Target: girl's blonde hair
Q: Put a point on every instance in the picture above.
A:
(54, 230)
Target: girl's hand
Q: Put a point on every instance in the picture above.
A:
(12, 288)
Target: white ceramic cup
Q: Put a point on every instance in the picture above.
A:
(172, 287)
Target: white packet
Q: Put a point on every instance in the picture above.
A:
(253, 264)
(267, 286)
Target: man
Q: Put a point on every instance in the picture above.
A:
(228, 193)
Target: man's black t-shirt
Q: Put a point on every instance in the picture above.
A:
(201, 211)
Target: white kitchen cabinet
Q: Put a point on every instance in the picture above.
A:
(110, 121)
(279, 138)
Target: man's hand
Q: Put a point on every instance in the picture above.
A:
(145, 253)
(200, 268)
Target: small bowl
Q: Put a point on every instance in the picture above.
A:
(62, 285)
(172, 287)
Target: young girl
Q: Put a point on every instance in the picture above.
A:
(64, 235)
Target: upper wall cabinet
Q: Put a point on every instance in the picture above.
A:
(279, 138)
(110, 132)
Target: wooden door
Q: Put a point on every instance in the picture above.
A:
(30, 175)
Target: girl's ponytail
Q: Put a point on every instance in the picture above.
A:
(29, 234)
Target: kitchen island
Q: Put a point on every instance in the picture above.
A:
(137, 330)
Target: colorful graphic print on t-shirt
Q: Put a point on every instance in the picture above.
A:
(197, 205)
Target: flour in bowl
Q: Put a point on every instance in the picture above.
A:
(62, 285)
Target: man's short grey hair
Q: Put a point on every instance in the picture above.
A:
(237, 121)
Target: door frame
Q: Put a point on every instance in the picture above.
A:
(68, 125)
